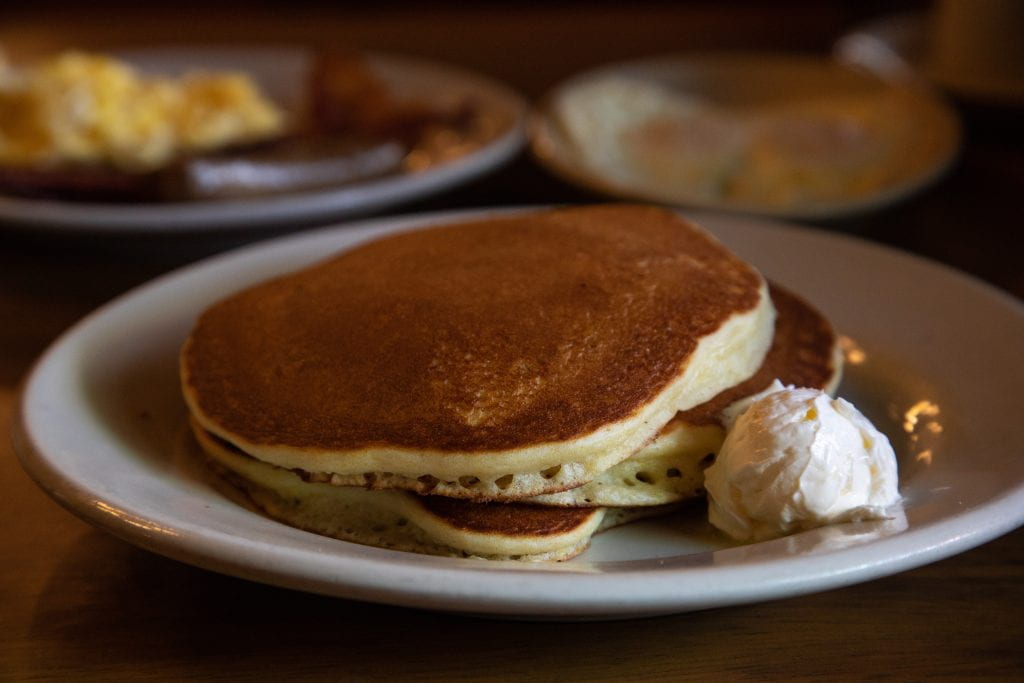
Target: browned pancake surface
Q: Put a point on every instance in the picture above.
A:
(801, 354)
(489, 335)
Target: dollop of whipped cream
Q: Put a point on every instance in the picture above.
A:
(796, 459)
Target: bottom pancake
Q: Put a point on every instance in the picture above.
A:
(401, 520)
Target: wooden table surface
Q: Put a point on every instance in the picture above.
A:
(77, 603)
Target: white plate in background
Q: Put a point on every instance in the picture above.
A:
(933, 355)
(741, 80)
(280, 71)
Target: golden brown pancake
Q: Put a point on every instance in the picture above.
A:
(549, 527)
(805, 353)
(494, 359)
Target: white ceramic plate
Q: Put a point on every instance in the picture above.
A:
(933, 357)
(740, 80)
(280, 72)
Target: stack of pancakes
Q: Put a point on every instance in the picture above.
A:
(501, 388)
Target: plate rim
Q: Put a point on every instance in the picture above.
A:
(419, 581)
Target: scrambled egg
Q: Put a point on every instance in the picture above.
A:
(83, 108)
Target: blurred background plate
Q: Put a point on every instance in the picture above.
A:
(280, 71)
(770, 134)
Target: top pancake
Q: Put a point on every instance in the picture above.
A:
(584, 327)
